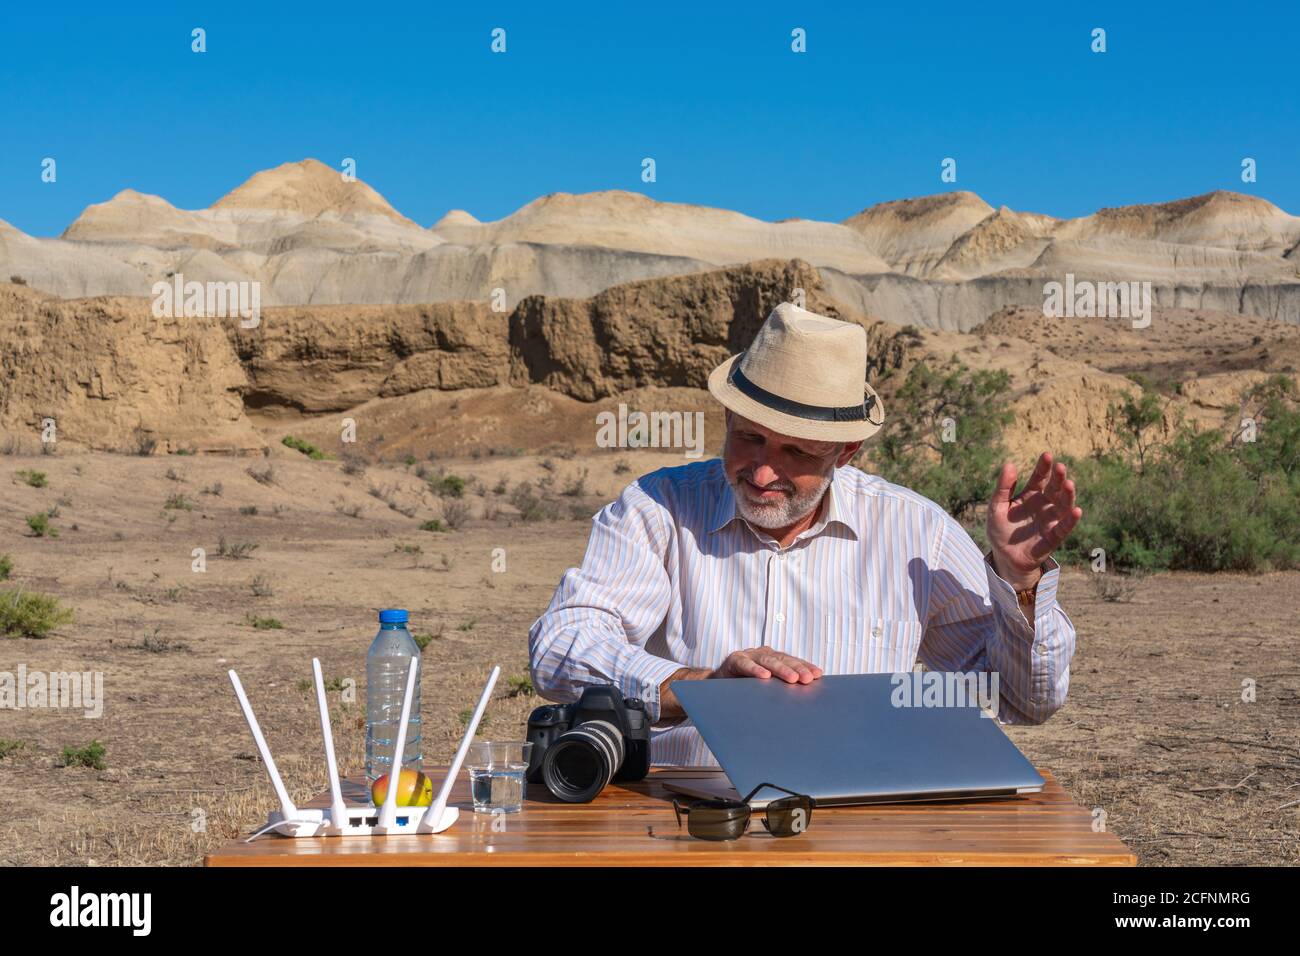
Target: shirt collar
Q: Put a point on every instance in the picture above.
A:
(724, 504)
(724, 508)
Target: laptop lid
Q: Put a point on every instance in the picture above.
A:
(842, 739)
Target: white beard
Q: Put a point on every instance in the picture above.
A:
(782, 513)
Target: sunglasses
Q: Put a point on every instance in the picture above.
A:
(729, 819)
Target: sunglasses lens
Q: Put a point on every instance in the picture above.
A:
(718, 823)
(788, 816)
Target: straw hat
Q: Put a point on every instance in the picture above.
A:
(803, 376)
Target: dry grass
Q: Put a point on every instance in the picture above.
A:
(1154, 732)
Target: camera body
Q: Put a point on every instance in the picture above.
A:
(578, 748)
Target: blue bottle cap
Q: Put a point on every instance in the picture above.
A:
(393, 617)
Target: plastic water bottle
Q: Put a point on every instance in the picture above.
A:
(387, 663)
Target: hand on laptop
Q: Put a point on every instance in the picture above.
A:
(763, 662)
(760, 662)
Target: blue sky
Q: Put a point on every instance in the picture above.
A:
(731, 116)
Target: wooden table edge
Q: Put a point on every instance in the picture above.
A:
(1121, 856)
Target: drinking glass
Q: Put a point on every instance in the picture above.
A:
(497, 771)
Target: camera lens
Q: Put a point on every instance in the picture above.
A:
(581, 762)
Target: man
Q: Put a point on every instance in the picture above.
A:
(780, 561)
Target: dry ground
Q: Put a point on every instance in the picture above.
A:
(1155, 731)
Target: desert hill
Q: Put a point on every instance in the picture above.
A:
(308, 188)
(631, 222)
(1222, 219)
(913, 235)
(946, 261)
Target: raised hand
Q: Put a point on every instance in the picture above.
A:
(1024, 529)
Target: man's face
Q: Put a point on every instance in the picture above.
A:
(778, 479)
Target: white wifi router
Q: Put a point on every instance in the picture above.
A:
(339, 819)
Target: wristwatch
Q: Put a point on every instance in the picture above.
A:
(1025, 597)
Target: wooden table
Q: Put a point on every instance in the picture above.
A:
(633, 825)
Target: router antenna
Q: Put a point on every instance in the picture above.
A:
(287, 809)
(338, 811)
(388, 815)
(433, 816)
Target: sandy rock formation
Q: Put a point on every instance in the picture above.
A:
(108, 372)
(667, 332)
(105, 367)
(331, 358)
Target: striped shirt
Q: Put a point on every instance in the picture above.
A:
(674, 576)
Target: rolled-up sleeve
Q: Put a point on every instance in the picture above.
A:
(976, 624)
(595, 629)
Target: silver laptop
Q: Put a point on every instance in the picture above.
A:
(841, 740)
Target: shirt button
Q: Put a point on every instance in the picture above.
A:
(780, 618)
(1042, 649)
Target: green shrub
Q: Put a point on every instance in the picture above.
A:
(447, 486)
(433, 524)
(91, 755)
(532, 506)
(10, 746)
(1197, 502)
(307, 448)
(40, 525)
(1133, 420)
(1194, 506)
(178, 502)
(265, 623)
(27, 614)
(34, 478)
(1194, 501)
(911, 451)
(6, 567)
(160, 645)
(236, 550)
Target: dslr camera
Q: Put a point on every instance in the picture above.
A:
(579, 748)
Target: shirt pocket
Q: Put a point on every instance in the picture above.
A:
(860, 644)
